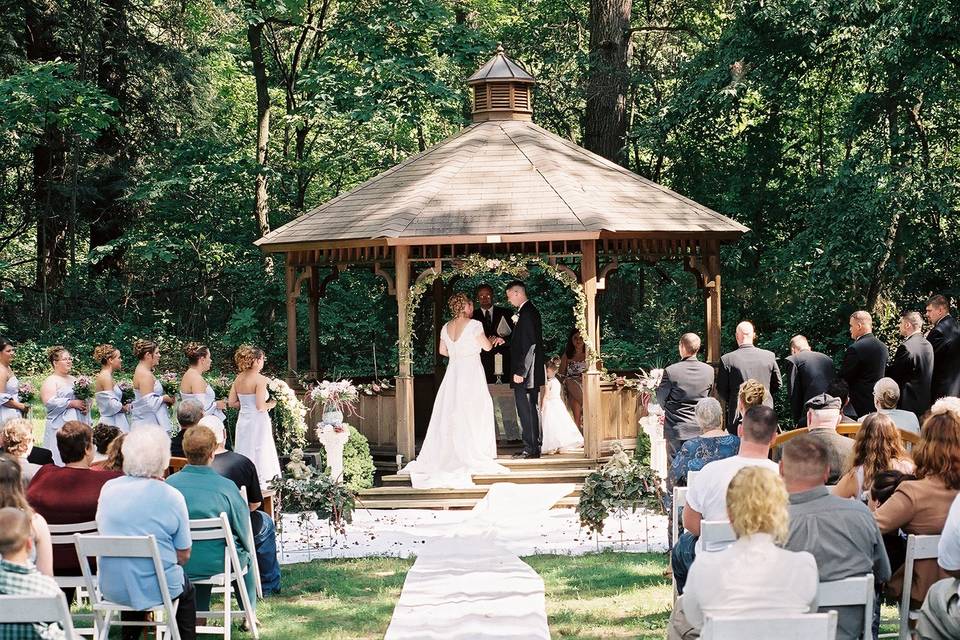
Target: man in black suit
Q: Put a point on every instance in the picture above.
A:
(864, 363)
(912, 366)
(945, 339)
(811, 372)
(527, 358)
(683, 384)
(493, 319)
(741, 365)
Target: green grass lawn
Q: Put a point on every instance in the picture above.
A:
(605, 595)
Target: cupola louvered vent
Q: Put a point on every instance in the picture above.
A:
(501, 90)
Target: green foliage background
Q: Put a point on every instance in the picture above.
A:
(829, 128)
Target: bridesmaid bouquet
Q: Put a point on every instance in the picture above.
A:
(170, 383)
(26, 393)
(221, 387)
(126, 392)
(83, 388)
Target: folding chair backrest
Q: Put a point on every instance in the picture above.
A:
(24, 609)
(95, 546)
(202, 529)
(919, 547)
(255, 564)
(850, 591)
(716, 535)
(808, 626)
(690, 477)
(63, 533)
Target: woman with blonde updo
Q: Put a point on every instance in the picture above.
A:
(109, 396)
(57, 396)
(194, 387)
(461, 438)
(151, 406)
(753, 576)
(254, 437)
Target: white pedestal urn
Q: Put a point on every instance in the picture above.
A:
(334, 437)
(652, 425)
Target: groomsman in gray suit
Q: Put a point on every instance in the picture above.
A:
(747, 362)
(683, 384)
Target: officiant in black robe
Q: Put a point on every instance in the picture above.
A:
(496, 321)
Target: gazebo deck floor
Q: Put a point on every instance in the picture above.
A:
(409, 498)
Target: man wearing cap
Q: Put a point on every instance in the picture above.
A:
(823, 416)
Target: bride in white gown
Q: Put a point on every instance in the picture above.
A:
(461, 439)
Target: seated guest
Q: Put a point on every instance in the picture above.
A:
(69, 494)
(753, 576)
(141, 504)
(707, 495)
(823, 416)
(886, 395)
(18, 576)
(12, 495)
(238, 468)
(189, 413)
(17, 437)
(208, 494)
(940, 614)
(840, 389)
(103, 435)
(841, 534)
(114, 461)
(878, 447)
(920, 506)
(885, 485)
(713, 443)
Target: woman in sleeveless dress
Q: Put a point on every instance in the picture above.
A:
(254, 437)
(572, 365)
(194, 387)
(62, 406)
(151, 406)
(10, 405)
(109, 397)
(461, 439)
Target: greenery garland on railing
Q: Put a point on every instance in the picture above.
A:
(514, 266)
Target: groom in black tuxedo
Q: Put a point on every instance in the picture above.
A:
(526, 354)
(491, 317)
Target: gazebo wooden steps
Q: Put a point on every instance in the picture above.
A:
(536, 476)
(409, 498)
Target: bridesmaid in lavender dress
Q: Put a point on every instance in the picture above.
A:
(254, 437)
(194, 387)
(10, 405)
(150, 405)
(109, 396)
(62, 406)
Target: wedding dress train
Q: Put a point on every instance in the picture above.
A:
(461, 438)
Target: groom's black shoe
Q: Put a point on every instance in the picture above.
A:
(522, 454)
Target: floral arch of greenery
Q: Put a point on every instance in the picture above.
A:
(475, 265)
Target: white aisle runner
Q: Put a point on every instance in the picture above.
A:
(469, 584)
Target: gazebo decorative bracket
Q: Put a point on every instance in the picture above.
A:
(692, 264)
(430, 271)
(304, 274)
(562, 267)
(391, 285)
(611, 266)
(335, 271)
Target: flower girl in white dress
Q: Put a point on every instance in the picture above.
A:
(558, 428)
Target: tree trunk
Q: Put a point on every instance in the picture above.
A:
(260, 205)
(605, 128)
(49, 161)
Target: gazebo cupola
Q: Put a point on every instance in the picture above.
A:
(502, 90)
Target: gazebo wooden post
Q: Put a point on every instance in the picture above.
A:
(314, 313)
(711, 283)
(406, 445)
(293, 292)
(592, 425)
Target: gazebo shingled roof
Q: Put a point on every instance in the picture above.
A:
(501, 185)
(502, 177)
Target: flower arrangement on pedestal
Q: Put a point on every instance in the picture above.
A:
(621, 484)
(289, 424)
(334, 437)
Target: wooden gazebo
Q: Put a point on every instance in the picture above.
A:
(502, 185)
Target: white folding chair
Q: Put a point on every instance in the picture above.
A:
(679, 499)
(62, 534)
(847, 592)
(210, 529)
(805, 626)
(33, 609)
(255, 565)
(918, 548)
(716, 535)
(90, 546)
